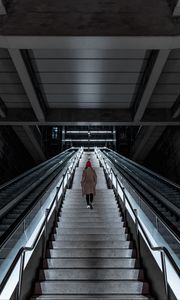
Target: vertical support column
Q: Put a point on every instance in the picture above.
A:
(63, 137)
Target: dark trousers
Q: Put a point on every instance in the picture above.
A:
(89, 198)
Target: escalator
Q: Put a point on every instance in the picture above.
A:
(161, 195)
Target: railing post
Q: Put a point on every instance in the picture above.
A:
(111, 178)
(163, 262)
(45, 233)
(157, 224)
(24, 225)
(116, 183)
(21, 271)
(63, 187)
(56, 211)
(68, 178)
(137, 236)
(124, 204)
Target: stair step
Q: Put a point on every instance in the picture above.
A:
(91, 237)
(90, 253)
(103, 263)
(99, 200)
(92, 297)
(62, 230)
(91, 274)
(90, 256)
(89, 287)
(89, 219)
(91, 244)
(115, 225)
(90, 213)
(83, 208)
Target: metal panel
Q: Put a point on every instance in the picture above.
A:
(170, 78)
(89, 105)
(6, 65)
(167, 89)
(163, 98)
(175, 54)
(172, 66)
(160, 105)
(9, 78)
(86, 65)
(18, 105)
(14, 98)
(11, 89)
(88, 53)
(89, 98)
(120, 78)
(4, 53)
(88, 88)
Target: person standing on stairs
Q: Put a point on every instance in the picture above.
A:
(88, 184)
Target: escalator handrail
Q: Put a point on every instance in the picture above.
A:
(157, 214)
(24, 248)
(2, 186)
(160, 177)
(31, 188)
(10, 231)
(158, 248)
(171, 206)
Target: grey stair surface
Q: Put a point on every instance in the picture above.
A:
(90, 254)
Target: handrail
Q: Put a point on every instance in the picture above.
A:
(18, 222)
(22, 250)
(32, 169)
(161, 249)
(155, 213)
(7, 206)
(155, 191)
(162, 178)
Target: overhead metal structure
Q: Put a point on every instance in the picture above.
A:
(110, 70)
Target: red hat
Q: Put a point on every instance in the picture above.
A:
(88, 164)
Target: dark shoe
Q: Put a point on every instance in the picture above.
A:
(91, 206)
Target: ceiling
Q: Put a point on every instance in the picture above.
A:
(85, 63)
(115, 86)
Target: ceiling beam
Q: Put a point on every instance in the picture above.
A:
(152, 117)
(98, 42)
(176, 108)
(2, 8)
(31, 143)
(3, 109)
(153, 71)
(145, 141)
(27, 83)
(176, 12)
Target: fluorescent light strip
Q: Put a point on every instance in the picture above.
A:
(86, 140)
(90, 131)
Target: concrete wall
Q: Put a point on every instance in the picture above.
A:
(14, 158)
(165, 156)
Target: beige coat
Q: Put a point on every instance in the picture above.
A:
(88, 182)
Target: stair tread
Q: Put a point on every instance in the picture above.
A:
(90, 287)
(89, 254)
(91, 274)
(93, 237)
(62, 230)
(93, 297)
(90, 263)
(99, 252)
(92, 244)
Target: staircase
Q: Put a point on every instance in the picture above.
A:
(90, 255)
